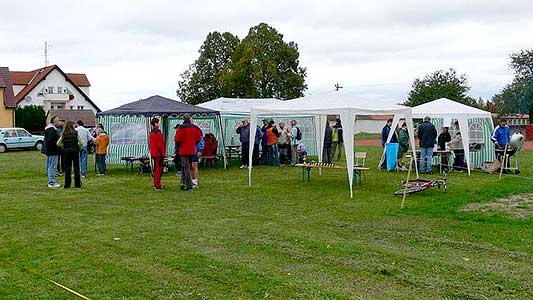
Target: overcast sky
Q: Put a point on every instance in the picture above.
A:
(134, 49)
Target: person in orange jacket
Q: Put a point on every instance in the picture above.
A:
(158, 153)
(102, 141)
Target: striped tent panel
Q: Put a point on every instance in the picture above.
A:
(206, 124)
(306, 125)
(127, 135)
(480, 131)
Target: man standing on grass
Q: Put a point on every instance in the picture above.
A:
(296, 137)
(427, 133)
(338, 139)
(244, 131)
(384, 136)
(157, 152)
(86, 137)
(501, 137)
(51, 136)
(187, 138)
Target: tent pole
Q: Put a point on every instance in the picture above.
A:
(219, 118)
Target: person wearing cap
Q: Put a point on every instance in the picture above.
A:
(442, 140)
(244, 131)
(86, 137)
(157, 152)
(501, 138)
(188, 136)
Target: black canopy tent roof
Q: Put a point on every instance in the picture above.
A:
(158, 106)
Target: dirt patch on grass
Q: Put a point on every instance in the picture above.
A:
(516, 206)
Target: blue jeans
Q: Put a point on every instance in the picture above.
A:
(51, 168)
(426, 159)
(273, 157)
(83, 161)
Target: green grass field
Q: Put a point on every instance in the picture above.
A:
(280, 239)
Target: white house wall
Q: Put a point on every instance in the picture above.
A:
(85, 89)
(55, 79)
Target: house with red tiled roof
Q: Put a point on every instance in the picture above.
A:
(8, 103)
(52, 89)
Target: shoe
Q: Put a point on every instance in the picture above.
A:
(194, 186)
(55, 185)
(182, 186)
(403, 168)
(162, 188)
(59, 175)
(189, 189)
(241, 167)
(83, 176)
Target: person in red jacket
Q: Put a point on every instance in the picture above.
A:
(187, 137)
(157, 152)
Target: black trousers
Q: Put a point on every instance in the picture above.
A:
(459, 160)
(255, 155)
(72, 159)
(245, 154)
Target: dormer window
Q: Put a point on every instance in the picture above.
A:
(50, 90)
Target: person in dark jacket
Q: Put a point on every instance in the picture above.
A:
(244, 131)
(258, 138)
(327, 154)
(52, 151)
(264, 142)
(188, 136)
(403, 141)
(71, 143)
(157, 147)
(444, 137)
(427, 133)
(177, 159)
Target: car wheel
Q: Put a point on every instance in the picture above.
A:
(2, 148)
(39, 146)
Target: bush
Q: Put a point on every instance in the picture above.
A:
(31, 118)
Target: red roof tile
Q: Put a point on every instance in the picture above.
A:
(5, 82)
(79, 79)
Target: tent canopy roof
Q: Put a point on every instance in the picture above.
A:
(238, 106)
(444, 108)
(332, 102)
(157, 105)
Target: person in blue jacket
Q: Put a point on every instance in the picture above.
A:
(501, 137)
(384, 135)
(194, 166)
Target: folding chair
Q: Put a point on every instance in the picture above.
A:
(359, 167)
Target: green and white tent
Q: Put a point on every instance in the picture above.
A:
(234, 110)
(477, 121)
(128, 126)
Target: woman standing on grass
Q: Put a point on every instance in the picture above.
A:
(71, 143)
(102, 141)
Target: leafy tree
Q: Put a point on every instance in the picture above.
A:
(202, 81)
(517, 97)
(30, 117)
(440, 84)
(264, 65)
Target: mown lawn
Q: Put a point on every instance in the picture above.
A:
(281, 239)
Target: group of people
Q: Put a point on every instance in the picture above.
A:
(279, 144)
(445, 141)
(189, 147)
(333, 140)
(65, 146)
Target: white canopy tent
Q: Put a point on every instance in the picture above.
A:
(238, 106)
(447, 109)
(320, 105)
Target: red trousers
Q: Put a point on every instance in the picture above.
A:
(158, 172)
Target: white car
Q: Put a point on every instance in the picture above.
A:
(13, 138)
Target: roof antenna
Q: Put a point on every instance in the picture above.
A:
(45, 53)
(337, 86)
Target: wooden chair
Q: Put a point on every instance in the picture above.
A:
(359, 167)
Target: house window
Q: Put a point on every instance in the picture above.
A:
(80, 107)
(60, 90)
(59, 107)
(476, 132)
(71, 107)
(50, 90)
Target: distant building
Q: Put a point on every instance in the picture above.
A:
(8, 104)
(516, 119)
(52, 89)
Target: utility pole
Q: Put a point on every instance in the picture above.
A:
(337, 86)
(45, 53)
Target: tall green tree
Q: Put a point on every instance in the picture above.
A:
(517, 96)
(440, 84)
(31, 118)
(264, 65)
(202, 80)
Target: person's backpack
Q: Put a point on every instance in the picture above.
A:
(298, 134)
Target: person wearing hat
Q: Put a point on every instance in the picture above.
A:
(157, 152)
(188, 136)
(444, 137)
(244, 131)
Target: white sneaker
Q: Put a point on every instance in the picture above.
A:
(55, 185)
(83, 176)
(242, 167)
